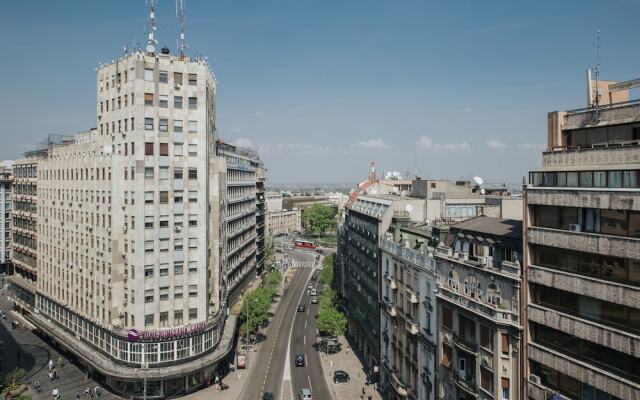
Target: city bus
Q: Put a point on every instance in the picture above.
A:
(304, 244)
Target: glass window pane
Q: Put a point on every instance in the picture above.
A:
(600, 179)
(586, 179)
(630, 179)
(572, 179)
(615, 179)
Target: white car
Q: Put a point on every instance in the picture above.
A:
(310, 286)
(305, 394)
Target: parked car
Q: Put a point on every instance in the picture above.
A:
(314, 300)
(314, 292)
(305, 394)
(267, 396)
(300, 360)
(340, 377)
(301, 307)
(310, 286)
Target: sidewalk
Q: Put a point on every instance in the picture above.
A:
(346, 360)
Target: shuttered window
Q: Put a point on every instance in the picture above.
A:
(148, 149)
(148, 99)
(505, 343)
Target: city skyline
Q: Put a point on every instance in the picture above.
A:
(332, 87)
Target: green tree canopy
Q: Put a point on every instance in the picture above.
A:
(318, 218)
(326, 275)
(255, 308)
(331, 321)
(272, 279)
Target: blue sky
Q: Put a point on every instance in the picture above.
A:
(322, 88)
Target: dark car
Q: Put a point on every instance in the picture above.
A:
(340, 377)
(267, 396)
(300, 360)
(301, 307)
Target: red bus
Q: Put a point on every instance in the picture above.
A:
(304, 244)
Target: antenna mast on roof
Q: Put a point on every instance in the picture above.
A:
(180, 14)
(596, 70)
(151, 42)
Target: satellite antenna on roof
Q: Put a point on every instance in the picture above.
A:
(478, 180)
(596, 71)
(151, 42)
(180, 14)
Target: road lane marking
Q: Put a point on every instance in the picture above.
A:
(310, 387)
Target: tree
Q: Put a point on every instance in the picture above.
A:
(331, 322)
(272, 279)
(326, 275)
(255, 309)
(269, 252)
(13, 378)
(318, 218)
(327, 299)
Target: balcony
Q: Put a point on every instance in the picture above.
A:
(615, 246)
(411, 295)
(414, 256)
(412, 327)
(596, 154)
(588, 373)
(464, 344)
(465, 383)
(588, 286)
(499, 316)
(391, 281)
(619, 340)
(400, 387)
(615, 199)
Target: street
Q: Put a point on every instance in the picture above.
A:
(272, 368)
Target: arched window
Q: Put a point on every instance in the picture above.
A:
(493, 294)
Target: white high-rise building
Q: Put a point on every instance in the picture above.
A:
(129, 218)
(6, 188)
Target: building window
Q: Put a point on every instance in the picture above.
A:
(148, 74)
(164, 244)
(486, 380)
(177, 198)
(164, 197)
(486, 337)
(163, 101)
(193, 150)
(148, 271)
(177, 149)
(505, 343)
(148, 173)
(193, 314)
(193, 103)
(163, 295)
(177, 317)
(163, 125)
(148, 99)
(148, 246)
(177, 269)
(163, 76)
(193, 290)
(148, 222)
(148, 320)
(148, 197)
(177, 245)
(193, 79)
(447, 318)
(177, 220)
(177, 78)
(193, 173)
(164, 173)
(177, 173)
(164, 221)
(453, 281)
(193, 243)
(177, 125)
(193, 196)
(193, 267)
(447, 355)
(193, 126)
(148, 296)
(504, 382)
(148, 124)
(164, 149)
(177, 102)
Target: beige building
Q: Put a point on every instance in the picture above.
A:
(285, 221)
(128, 214)
(582, 257)
(6, 189)
(274, 202)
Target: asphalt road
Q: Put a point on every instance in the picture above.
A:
(267, 366)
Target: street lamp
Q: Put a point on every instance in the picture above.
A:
(247, 332)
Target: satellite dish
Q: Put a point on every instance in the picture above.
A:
(408, 208)
(483, 191)
(151, 48)
(478, 180)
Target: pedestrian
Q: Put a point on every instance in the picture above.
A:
(50, 364)
(60, 362)
(77, 395)
(364, 391)
(97, 391)
(55, 394)
(86, 393)
(50, 376)
(55, 374)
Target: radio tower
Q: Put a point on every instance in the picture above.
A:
(180, 14)
(151, 42)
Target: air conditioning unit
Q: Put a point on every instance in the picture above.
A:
(482, 260)
(534, 378)
(575, 227)
(176, 86)
(177, 229)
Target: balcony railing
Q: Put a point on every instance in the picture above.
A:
(472, 304)
(412, 327)
(412, 296)
(416, 257)
(393, 284)
(392, 310)
(465, 344)
(465, 383)
(400, 387)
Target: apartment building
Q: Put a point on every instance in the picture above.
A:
(6, 188)
(582, 258)
(274, 202)
(261, 223)
(129, 217)
(407, 312)
(479, 333)
(240, 238)
(285, 221)
(24, 225)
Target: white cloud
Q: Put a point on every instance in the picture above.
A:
(242, 142)
(426, 143)
(537, 146)
(295, 148)
(371, 144)
(496, 144)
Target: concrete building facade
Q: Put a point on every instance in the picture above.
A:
(129, 238)
(582, 258)
(285, 221)
(274, 202)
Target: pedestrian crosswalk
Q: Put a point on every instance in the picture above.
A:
(302, 264)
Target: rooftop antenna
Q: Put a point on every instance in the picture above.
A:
(596, 70)
(180, 14)
(151, 42)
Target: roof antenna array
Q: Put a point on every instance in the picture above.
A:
(151, 42)
(180, 14)
(596, 71)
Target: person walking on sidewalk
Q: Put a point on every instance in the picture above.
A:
(50, 364)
